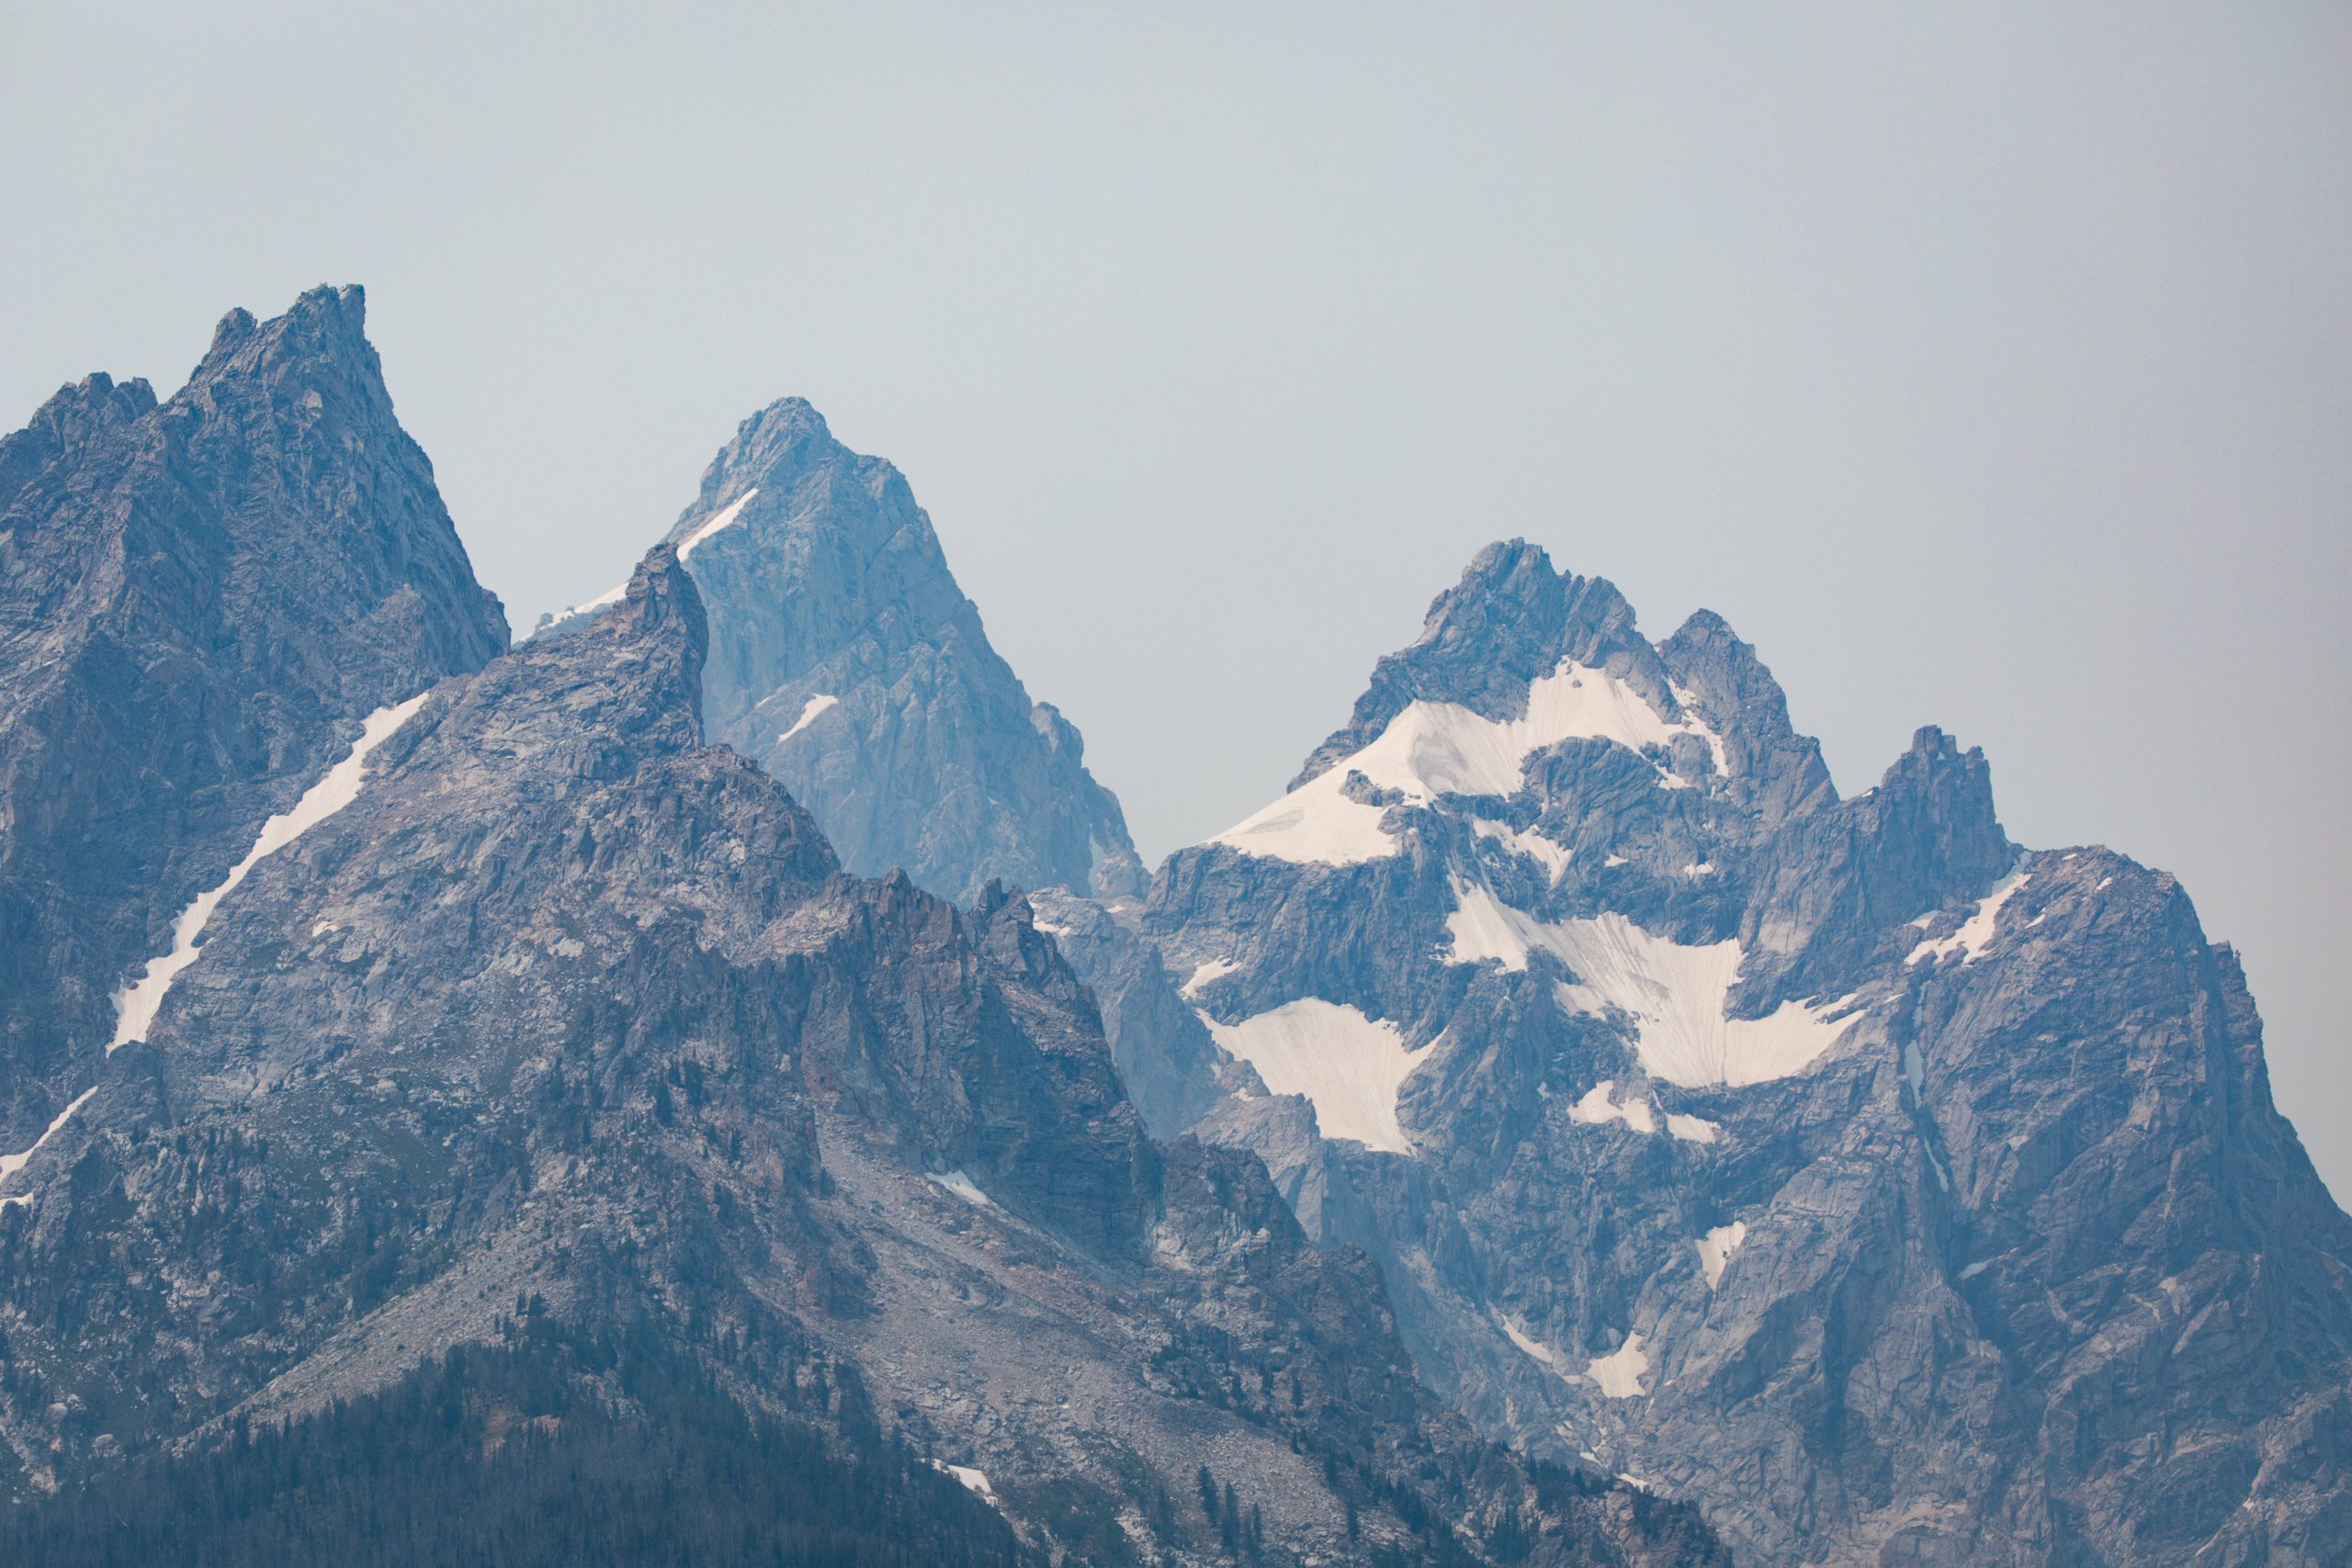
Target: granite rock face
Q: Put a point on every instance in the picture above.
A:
(847, 662)
(1890, 1192)
(565, 1007)
(198, 599)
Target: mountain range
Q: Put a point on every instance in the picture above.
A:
(717, 1073)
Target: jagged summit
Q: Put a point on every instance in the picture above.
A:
(845, 658)
(199, 599)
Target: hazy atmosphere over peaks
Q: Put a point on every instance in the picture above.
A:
(1993, 370)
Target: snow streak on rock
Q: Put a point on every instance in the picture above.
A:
(136, 1007)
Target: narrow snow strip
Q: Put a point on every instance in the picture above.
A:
(1976, 932)
(809, 713)
(610, 596)
(1676, 994)
(1714, 741)
(1552, 857)
(1433, 748)
(1620, 1373)
(1350, 1066)
(1211, 969)
(1542, 1354)
(963, 1186)
(1598, 1106)
(11, 1164)
(1692, 1129)
(1716, 1246)
(136, 1007)
(691, 542)
(1976, 1268)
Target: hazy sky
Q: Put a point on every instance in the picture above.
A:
(1988, 366)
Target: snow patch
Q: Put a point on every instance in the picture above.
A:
(1540, 1353)
(972, 1479)
(1599, 1106)
(1349, 1066)
(1210, 969)
(809, 711)
(726, 519)
(11, 1164)
(1692, 1129)
(1314, 824)
(1976, 931)
(1676, 994)
(1716, 1246)
(1620, 1373)
(1976, 1268)
(136, 1006)
(963, 1186)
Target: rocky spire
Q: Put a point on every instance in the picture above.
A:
(845, 658)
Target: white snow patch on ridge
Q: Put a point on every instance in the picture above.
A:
(973, 1481)
(612, 596)
(693, 541)
(963, 1186)
(136, 1007)
(1314, 824)
(11, 1164)
(1349, 1066)
(1433, 748)
(1620, 1373)
(1211, 969)
(1976, 932)
(1692, 1129)
(1676, 994)
(1716, 1246)
(809, 713)
(1600, 1107)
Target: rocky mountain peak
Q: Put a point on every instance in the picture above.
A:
(201, 598)
(1792, 1153)
(325, 323)
(783, 437)
(1512, 620)
(847, 660)
(1774, 770)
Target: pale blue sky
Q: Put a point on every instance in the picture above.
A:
(1988, 366)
